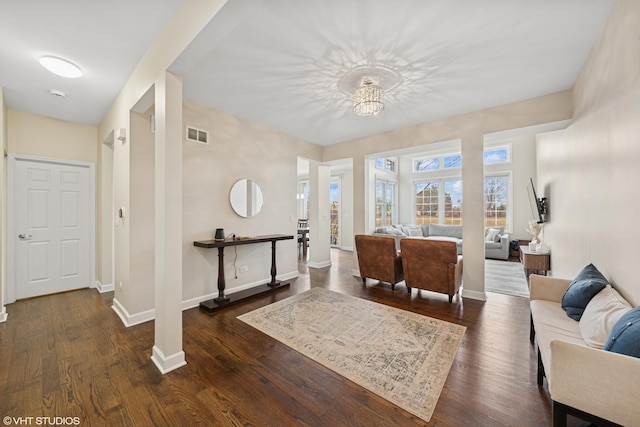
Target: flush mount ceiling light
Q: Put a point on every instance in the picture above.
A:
(364, 87)
(368, 99)
(61, 67)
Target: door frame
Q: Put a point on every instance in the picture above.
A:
(12, 236)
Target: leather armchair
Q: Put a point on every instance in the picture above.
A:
(432, 265)
(378, 259)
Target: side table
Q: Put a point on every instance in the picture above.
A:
(534, 261)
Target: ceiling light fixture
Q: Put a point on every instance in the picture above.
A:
(58, 93)
(61, 67)
(368, 99)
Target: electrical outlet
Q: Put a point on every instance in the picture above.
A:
(244, 269)
(120, 284)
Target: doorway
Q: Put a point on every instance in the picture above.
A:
(51, 221)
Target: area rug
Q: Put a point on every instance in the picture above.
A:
(401, 356)
(505, 277)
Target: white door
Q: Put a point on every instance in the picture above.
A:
(52, 218)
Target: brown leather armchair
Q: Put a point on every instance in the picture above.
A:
(378, 259)
(432, 265)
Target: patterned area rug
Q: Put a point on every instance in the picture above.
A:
(401, 356)
(505, 277)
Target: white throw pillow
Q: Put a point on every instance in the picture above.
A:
(600, 315)
(491, 234)
(413, 230)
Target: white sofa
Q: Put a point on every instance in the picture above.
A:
(497, 247)
(594, 384)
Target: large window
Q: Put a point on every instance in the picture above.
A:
(385, 202)
(439, 202)
(496, 201)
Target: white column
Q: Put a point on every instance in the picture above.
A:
(360, 203)
(473, 217)
(167, 351)
(319, 217)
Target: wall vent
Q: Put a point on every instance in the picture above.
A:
(197, 135)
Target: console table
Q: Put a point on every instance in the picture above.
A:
(223, 300)
(535, 261)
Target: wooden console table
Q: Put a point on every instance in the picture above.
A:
(535, 261)
(223, 300)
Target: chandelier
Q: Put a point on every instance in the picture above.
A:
(368, 99)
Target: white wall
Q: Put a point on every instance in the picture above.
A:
(589, 172)
(3, 168)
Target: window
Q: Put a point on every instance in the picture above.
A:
(385, 202)
(453, 161)
(453, 202)
(431, 163)
(427, 203)
(434, 206)
(449, 161)
(302, 197)
(334, 206)
(497, 155)
(386, 164)
(496, 190)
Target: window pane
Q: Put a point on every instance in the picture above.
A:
(426, 203)
(390, 165)
(379, 163)
(379, 202)
(496, 155)
(390, 203)
(431, 163)
(454, 161)
(453, 202)
(495, 201)
(334, 200)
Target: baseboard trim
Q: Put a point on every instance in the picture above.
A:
(3, 315)
(195, 302)
(104, 288)
(480, 296)
(167, 364)
(322, 264)
(132, 319)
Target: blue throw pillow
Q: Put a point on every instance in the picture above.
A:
(625, 335)
(584, 287)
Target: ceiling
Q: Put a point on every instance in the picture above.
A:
(106, 39)
(282, 63)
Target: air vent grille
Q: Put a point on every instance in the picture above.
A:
(197, 135)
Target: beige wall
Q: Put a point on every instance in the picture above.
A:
(237, 149)
(41, 136)
(590, 171)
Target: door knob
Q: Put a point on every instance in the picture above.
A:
(24, 236)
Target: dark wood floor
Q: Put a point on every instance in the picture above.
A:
(68, 355)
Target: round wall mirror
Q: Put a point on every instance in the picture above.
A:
(246, 198)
